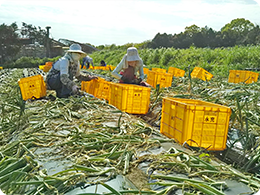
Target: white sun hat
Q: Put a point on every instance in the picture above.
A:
(76, 48)
(132, 54)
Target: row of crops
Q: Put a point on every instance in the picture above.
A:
(219, 60)
(81, 145)
(57, 147)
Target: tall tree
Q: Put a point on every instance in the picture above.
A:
(181, 41)
(9, 42)
(161, 40)
(32, 32)
(253, 36)
(209, 36)
(199, 40)
(190, 31)
(235, 31)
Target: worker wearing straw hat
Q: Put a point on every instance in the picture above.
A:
(129, 67)
(60, 77)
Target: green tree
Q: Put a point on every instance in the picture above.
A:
(161, 40)
(199, 40)
(9, 42)
(239, 25)
(209, 36)
(37, 34)
(191, 35)
(182, 41)
(253, 36)
(235, 31)
(190, 31)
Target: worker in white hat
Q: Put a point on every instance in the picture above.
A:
(60, 77)
(130, 69)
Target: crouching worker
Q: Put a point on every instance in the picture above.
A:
(131, 64)
(87, 61)
(60, 77)
(102, 63)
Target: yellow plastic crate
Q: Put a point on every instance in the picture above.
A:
(32, 87)
(84, 85)
(101, 67)
(91, 87)
(162, 70)
(146, 70)
(133, 99)
(164, 79)
(41, 67)
(97, 87)
(198, 123)
(103, 89)
(201, 73)
(110, 67)
(176, 72)
(254, 77)
(90, 67)
(48, 63)
(237, 76)
(46, 68)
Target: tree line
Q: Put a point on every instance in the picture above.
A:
(238, 32)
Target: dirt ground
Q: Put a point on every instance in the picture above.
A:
(138, 178)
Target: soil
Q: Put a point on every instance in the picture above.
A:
(138, 178)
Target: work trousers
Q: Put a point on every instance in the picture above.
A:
(54, 83)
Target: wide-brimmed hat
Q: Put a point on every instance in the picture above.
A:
(76, 48)
(132, 54)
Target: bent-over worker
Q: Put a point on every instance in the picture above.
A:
(60, 77)
(129, 67)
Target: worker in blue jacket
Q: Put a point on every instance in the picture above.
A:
(87, 61)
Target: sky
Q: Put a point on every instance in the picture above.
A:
(106, 22)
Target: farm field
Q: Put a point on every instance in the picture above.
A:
(84, 145)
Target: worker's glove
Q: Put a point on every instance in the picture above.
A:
(92, 77)
(75, 89)
(86, 78)
(137, 81)
(126, 80)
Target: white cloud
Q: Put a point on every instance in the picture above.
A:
(119, 22)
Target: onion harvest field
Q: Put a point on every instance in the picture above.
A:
(84, 145)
